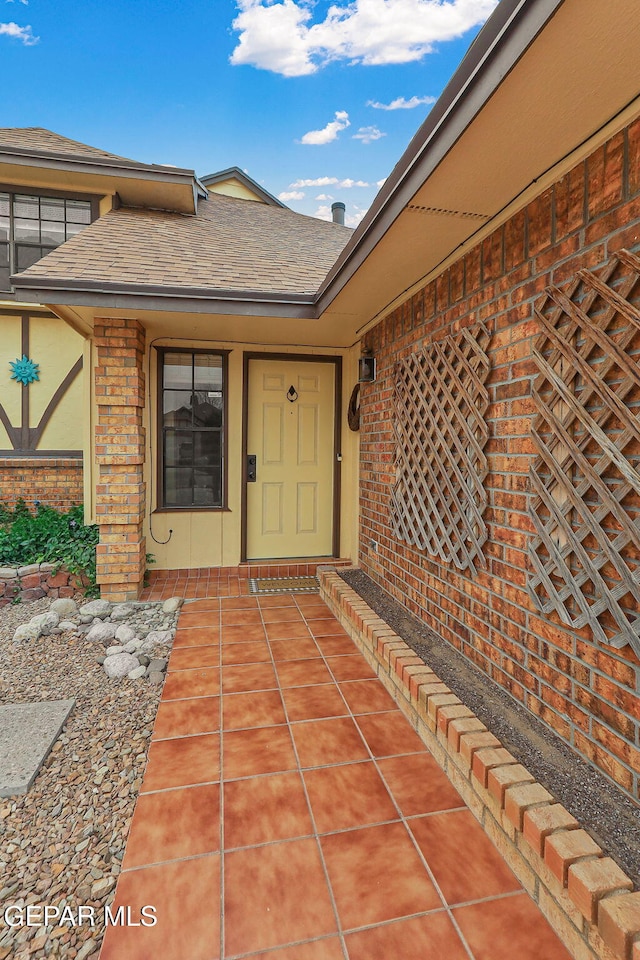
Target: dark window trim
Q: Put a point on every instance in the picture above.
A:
(160, 506)
(14, 190)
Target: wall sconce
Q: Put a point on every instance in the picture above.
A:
(366, 369)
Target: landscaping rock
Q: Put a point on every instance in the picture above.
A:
(155, 678)
(96, 608)
(122, 611)
(29, 570)
(8, 573)
(172, 605)
(102, 632)
(46, 620)
(67, 625)
(64, 607)
(119, 665)
(137, 672)
(133, 646)
(156, 638)
(124, 633)
(26, 631)
(112, 651)
(157, 666)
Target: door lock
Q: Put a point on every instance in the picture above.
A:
(251, 467)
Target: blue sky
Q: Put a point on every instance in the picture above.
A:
(292, 91)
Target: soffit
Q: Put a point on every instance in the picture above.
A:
(136, 188)
(579, 73)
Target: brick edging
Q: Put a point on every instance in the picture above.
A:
(37, 580)
(585, 896)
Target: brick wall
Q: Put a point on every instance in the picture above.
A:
(588, 693)
(119, 455)
(55, 482)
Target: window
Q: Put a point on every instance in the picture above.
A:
(32, 225)
(192, 415)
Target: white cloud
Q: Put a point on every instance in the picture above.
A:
(380, 183)
(329, 133)
(291, 195)
(324, 196)
(25, 2)
(323, 213)
(368, 134)
(18, 33)
(400, 103)
(280, 35)
(353, 219)
(328, 182)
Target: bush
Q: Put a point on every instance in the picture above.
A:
(48, 536)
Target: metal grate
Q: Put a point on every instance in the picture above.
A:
(272, 585)
(440, 400)
(586, 478)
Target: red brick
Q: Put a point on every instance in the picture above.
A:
(591, 880)
(619, 923)
(540, 822)
(518, 799)
(565, 847)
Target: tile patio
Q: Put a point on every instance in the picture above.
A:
(290, 812)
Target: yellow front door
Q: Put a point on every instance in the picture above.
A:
(290, 432)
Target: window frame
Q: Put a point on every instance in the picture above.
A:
(161, 506)
(18, 189)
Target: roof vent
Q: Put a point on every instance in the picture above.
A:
(337, 212)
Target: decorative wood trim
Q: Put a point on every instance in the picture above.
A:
(440, 400)
(586, 478)
(36, 432)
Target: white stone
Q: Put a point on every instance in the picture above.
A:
(8, 573)
(46, 621)
(111, 651)
(119, 665)
(68, 625)
(124, 633)
(172, 604)
(30, 569)
(96, 608)
(137, 672)
(102, 632)
(64, 607)
(121, 611)
(132, 646)
(157, 638)
(27, 631)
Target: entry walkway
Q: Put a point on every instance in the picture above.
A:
(290, 812)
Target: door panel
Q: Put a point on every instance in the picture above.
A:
(290, 506)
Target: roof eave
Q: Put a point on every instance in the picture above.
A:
(504, 39)
(154, 297)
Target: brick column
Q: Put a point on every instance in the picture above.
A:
(119, 453)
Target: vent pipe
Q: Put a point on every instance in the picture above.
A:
(337, 212)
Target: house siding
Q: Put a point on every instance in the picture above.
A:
(586, 692)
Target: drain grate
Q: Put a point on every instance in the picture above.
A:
(284, 585)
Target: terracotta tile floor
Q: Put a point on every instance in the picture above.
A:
(289, 812)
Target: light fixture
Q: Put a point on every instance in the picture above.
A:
(367, 368)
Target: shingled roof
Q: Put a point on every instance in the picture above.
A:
(230, 245)
(46, 141)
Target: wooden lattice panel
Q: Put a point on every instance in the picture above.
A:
(586, 479)
(440, 400)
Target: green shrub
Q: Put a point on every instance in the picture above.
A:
(48, 536)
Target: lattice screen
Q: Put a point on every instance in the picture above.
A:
(440, 400)
(586, 554)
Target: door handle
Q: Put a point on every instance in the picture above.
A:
(251, 467)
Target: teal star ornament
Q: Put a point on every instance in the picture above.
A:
(24, 371)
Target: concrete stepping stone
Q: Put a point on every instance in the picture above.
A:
(27, 733)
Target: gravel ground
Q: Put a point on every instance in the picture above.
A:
(610, 817)
(62, 843)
